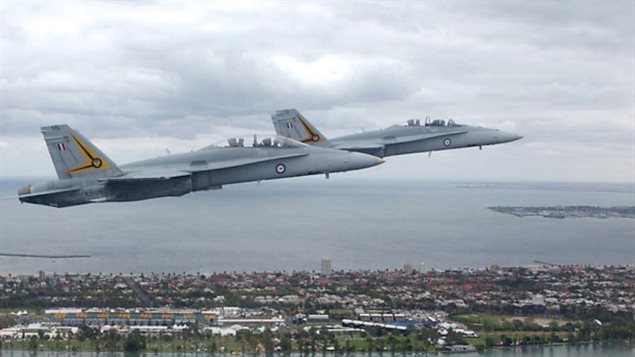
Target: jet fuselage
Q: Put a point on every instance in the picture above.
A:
(401, 140)
(412, 137)
(204, 169)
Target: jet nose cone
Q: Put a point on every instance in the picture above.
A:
(362, 161)
(506, 137)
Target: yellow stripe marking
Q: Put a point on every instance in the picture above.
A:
(313, 137)
(92, 163)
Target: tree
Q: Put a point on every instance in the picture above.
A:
(336, 344)
(377, 331)
(285, 343)
(267, 341)
(88, 332)
(505, 341)
(392, 342)
(33, 343)
(347, 346)
(406, 344)
(134, 342)
(252, 341)
(454, 338)
(380, 345)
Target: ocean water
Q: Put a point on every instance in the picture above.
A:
(293, 224)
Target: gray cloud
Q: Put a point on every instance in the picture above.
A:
(561, 73)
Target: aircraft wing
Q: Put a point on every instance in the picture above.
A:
(410, 138)
(147, 175)
(153, 174)
(371, 148)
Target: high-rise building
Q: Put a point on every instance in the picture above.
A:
(326, 266)
(407, 268)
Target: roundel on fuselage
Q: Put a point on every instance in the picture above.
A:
(280, 168)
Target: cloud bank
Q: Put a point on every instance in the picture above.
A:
(140, 77)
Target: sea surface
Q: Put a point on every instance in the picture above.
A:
(597, 350)
(293, 224)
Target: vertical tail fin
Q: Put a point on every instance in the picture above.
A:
(291, 124)
(75, 156)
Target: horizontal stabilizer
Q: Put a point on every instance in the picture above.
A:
(49, 192)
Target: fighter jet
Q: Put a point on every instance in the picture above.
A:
(411, 137)
(87, 175)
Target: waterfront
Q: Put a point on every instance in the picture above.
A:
(585, 350)
(292, 225)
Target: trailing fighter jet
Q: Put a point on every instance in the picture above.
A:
(412, 137)
(87, 175)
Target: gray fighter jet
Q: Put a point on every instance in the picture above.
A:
(87, 175)
(411, 137)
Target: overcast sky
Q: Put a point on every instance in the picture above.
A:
(140, 77)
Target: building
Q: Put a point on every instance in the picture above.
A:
(51, 331)
(326, 267)
(407, 268)
(101, 317)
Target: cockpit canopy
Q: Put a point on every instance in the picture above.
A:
(430, 122)
(269, 141)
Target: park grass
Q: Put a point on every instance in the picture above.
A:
(495, 321)
(32, 311)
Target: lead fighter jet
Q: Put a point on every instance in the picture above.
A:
(87, 175)
(411, 137)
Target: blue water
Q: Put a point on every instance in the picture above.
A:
(293, 224)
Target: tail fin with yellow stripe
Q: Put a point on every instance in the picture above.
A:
(75, 156)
